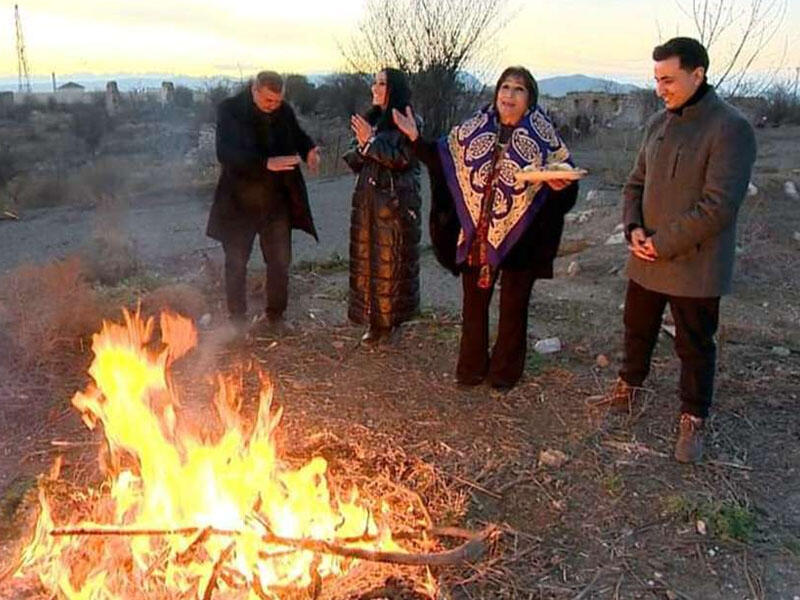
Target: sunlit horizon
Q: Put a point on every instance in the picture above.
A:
(93, 39)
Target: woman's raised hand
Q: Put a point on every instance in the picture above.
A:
(406, 123)
(361, 129)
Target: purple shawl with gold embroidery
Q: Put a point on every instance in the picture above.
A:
(467, 154)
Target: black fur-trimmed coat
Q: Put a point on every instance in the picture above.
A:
(247, 192)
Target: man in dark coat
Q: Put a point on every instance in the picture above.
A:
(261, 191)
(680, 207)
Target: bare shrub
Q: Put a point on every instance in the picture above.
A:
(301, 93)
(90, 124)
(177, 297)
(783, 105)
(436, 43)
(44, 308)
(110, 256)
(40, 190)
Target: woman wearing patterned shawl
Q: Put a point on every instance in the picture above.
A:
(486, 225)
(384, 224)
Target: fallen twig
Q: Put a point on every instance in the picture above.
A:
(589, 587)
(634, 448)
(473, 548)
(477, 486)
(468, 551)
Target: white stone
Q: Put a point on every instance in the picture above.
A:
(781, 351)
(580, 216)
(796, 236)
(701, 527)
(592, 195)
(619, 227)
(751, 189)
(205, 321)
(574, 268)
(552, 458)
(548, 346)
(616, 239)
(791, 190)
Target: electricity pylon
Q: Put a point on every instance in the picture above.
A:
(22, 62)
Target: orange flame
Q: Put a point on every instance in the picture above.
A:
(164, 478)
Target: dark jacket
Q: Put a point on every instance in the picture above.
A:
(384, 232)
(537, 247)
(685, 190)
(247, 193)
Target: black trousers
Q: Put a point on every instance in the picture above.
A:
(275, 238)
(507, 361)
(696, 322)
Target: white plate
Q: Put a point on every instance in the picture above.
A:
(534, 176)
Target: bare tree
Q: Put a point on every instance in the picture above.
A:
(436, 42)
(736, 33)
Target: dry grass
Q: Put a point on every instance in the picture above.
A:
(45, 307)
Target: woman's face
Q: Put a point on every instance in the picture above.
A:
(512, 100)
(380, 90)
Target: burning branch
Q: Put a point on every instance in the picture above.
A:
(468, 551)
(473, 548)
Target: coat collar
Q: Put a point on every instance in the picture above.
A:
(697, 109)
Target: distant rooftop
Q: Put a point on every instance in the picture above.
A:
(71, 85)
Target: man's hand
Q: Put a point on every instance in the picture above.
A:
(558, 184)
(650, 248)
(406, 123)
(361, 129)
(283, 163)
(313, 159)
(641, 246)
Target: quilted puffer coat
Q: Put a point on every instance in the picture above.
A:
(384, 232)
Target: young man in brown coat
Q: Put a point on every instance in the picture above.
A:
(680, 206)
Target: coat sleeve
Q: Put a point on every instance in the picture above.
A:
(633, 192)
(353, 157)
(391, 149)
(730, 162)
(231, 152)
(303, 142)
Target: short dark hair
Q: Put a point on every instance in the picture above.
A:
(527, 79)
(690, 52)
(270, 80)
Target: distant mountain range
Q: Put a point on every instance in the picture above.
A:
(560, 86)
(551, 86)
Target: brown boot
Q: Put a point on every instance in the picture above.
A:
(689, 447)
(619, 399)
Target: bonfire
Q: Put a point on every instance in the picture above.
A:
(187, 513)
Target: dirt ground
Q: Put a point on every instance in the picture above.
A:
(616, 518)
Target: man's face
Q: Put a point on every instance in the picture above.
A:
(265, 99)
(675, 85)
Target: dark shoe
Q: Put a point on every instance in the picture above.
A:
(268, 326)
(689, 447)
(280, 327)
(235, 331)
(620, 399)
(471, 381)
(377, 335)
(502, 387)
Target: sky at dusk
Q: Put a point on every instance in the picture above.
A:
(606, 38)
